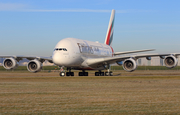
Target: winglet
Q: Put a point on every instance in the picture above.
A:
(109, 35)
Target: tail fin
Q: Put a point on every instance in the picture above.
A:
(109, 35)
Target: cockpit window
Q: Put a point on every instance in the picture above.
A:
(55, 49)
(60, 49)
(64, 49)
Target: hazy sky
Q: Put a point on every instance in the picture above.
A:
(33, 27)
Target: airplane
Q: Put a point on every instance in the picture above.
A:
(85, 55)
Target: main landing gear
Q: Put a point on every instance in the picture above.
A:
(108, 74)
(103, 73)
(83, 73)
(99, 73)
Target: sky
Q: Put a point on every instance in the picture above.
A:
(33, 27)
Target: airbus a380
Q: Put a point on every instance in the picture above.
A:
(86, 55)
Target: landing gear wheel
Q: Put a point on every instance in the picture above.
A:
(85, 73)
(80, 73)
(106, 74)
(72, 73)
(67, 73)
(96, 73)
(101, 73)
(62, 74)
(111, 73)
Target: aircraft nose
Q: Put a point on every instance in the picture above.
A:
(56, 58)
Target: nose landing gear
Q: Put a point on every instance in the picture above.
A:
(63, 73)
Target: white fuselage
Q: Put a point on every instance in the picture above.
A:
(72, 52)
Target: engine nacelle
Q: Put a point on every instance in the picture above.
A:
(170, 61)
(34, 66)
(10, 63)
(148, 58)
(129, 65)
(119, 62)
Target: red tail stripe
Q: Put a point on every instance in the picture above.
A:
(108, 38)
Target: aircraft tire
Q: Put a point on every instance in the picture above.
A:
(106, 74)
(96, 73)
(111, 73)
(62, 74)
(80, 73)
(67, 73)
(101, 73)
(85, 73)
(72, 73)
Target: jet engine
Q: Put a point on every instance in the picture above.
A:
(34, 66)
(170, 61)
(129, 65)
(10, 63)
(119, 62)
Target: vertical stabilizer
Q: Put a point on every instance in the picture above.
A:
(109, 35)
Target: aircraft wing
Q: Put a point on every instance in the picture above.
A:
(136, 51)
(40, 58)
(94, 62)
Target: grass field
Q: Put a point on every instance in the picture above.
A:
(49, 68)
(139, 92)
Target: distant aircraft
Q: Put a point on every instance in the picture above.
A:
(86, 55)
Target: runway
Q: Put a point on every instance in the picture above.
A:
(117, 73)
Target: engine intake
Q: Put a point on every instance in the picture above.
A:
(34, 66)
(10, 63)
(129, 65)
(170, 61)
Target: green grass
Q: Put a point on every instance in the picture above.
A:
(90, 95)
(24, 68)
